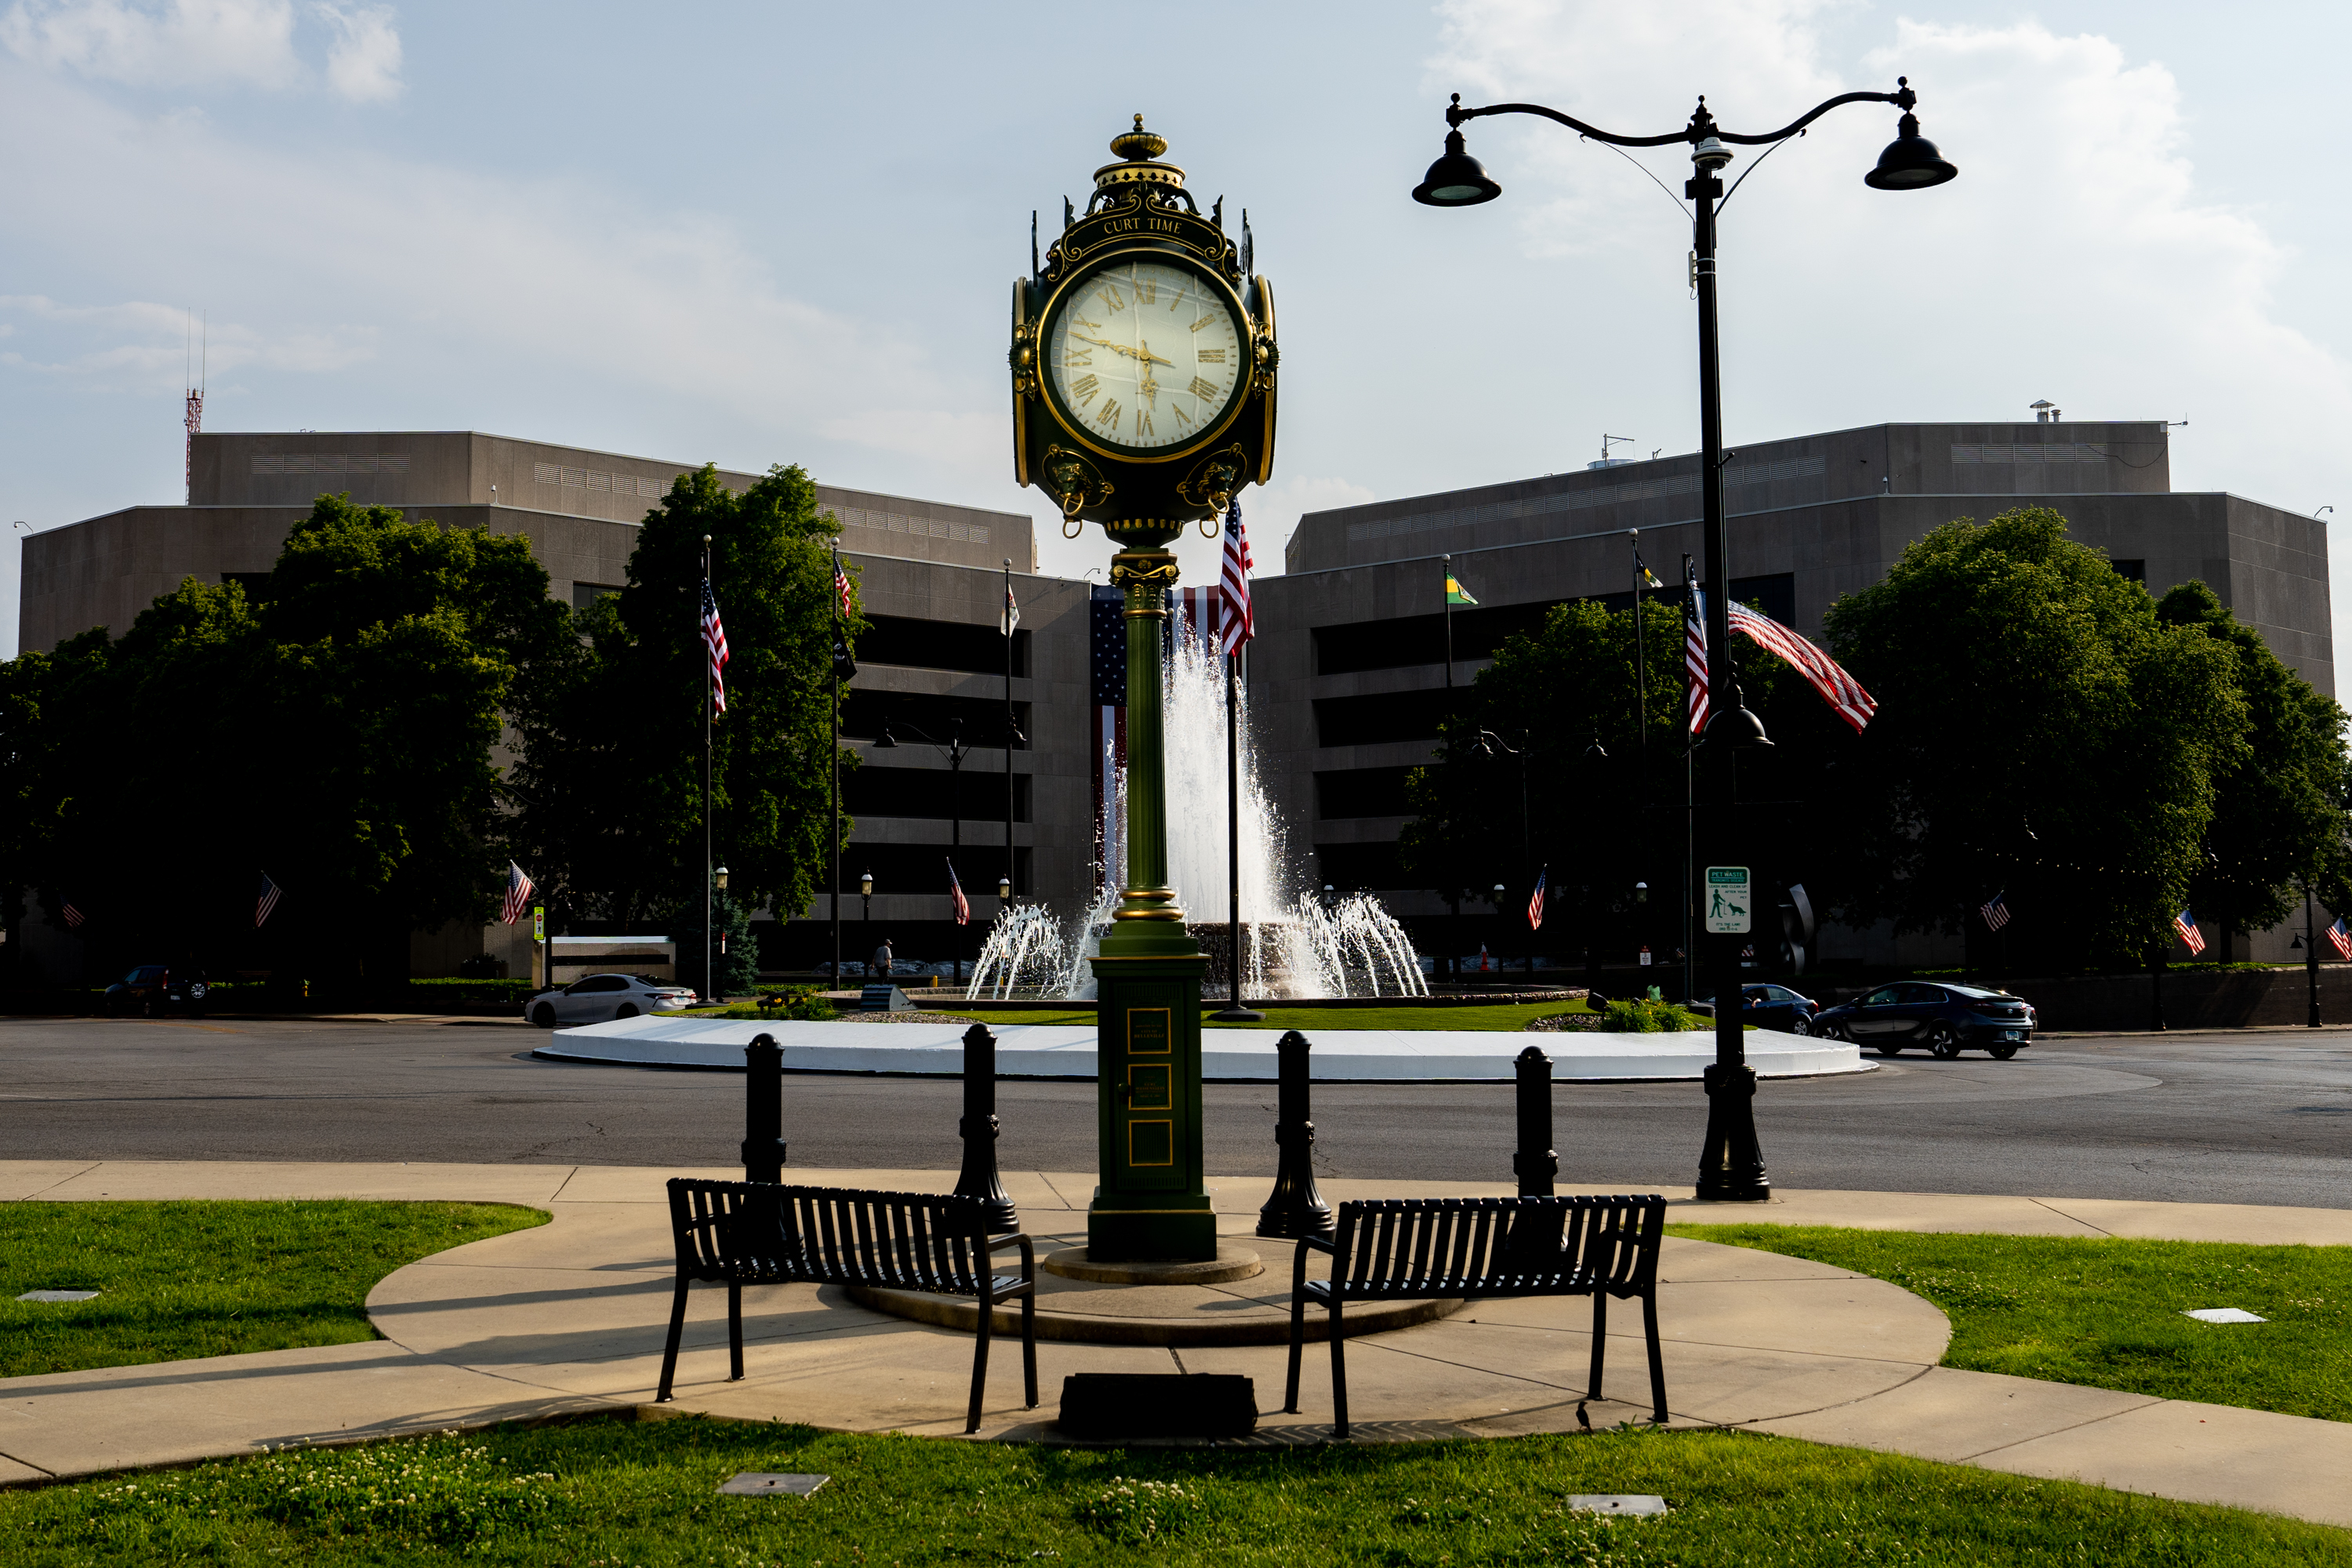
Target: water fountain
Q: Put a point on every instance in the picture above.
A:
(1293, 945)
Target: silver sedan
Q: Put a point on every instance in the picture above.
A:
(600, 997)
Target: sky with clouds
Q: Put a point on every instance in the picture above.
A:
(784, 233)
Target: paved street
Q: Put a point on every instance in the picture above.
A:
(2252, 1118)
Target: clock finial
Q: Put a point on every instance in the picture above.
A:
(1139, 146)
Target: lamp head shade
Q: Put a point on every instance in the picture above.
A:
(1735, 728)
(885, 740)
(1910, 162)
(1456, 180)
(865, 884)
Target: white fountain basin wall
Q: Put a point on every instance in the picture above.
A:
(1227, 1056)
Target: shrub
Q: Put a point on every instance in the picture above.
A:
(1649, 1017)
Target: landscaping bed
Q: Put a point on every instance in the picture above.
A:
(612, 1492)
(2107, 1311)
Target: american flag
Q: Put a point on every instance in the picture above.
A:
(265, 900)
(1694, 645)
(955, 893)
(73, 915)
(2341, 938)
(1534, 905)
(2185, 924)
(1235, 586)
(519, 889)
(714, 638)
(1012, 615)
(840, 586)
(1995, 911)
(1840, 690)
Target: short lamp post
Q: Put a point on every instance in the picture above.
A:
(1005, 891)
(1731, 1164)
(955, 749)
(719, 877)
(866, 894)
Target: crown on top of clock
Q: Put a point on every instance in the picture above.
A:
(1140, 148)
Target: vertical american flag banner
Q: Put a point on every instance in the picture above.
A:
(1235, 583)
(1694, 645)
(72, 916)
(1996, 910)
(1107, 709)
(1195, 616)
(2184, 925)
(955, 896)
(265, 900)
(2341, 938)
(518, 891)
(714, 642)
(840, 587)
(1534, 905)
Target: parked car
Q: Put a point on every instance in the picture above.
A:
(1946, 1017)
(1770, 1006)
(600, 998)
(154, 988)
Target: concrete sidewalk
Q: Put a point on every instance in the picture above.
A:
(570, 1317)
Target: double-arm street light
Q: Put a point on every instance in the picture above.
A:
(1731, 1164)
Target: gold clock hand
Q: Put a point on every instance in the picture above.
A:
(1153, 358)
(1114, 348)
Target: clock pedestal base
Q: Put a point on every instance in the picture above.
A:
(1151, 1205)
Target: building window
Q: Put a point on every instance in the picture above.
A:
(2135, 570)
(583, 595)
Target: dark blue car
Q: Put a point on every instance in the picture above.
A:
(1770, 1006)
(1945, 1017)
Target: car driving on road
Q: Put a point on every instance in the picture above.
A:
(1769, 1007)
(1944, 1016)
(599, 998)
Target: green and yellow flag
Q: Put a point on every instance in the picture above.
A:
(1455, 593)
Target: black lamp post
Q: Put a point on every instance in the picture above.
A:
(955, 749)
(1731, 1164)
(2309, 943)
(1492, 745)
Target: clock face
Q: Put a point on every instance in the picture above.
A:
(1146, 355)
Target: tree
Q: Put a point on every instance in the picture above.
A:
(2279, 810)
(2040, 729)
(335, 729)
(609, 785)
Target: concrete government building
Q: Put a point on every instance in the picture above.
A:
(1346, 676)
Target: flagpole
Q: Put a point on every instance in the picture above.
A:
(709, 979)
(1453, 893)
(832, 592)
(1012, 883)
(1690, 869)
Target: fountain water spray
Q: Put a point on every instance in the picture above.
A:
(1292, 946)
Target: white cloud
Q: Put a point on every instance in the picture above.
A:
(364, 64)
(206, 43)
(1274, 512)
(141, 347)
(183, 42)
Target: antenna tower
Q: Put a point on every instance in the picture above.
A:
(195, 418)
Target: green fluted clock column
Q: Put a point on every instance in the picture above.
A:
(1151, 1202)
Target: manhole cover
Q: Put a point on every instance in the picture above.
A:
(750, 1484)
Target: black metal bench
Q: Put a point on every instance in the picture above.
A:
(1425, 1248)
(754, 1232)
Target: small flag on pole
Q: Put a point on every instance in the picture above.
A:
(1455, 593)
(714, 639)
(2185, 924)
(73, 915)
(1235, 583)
(518, 891)
(1996, 911)
(1641, 569)
(841, 586)
(1484, 962)
(1012, 615)
(1695, 649)
(2341, 938)
(265, 900)
(1534, 905)
(955, 895)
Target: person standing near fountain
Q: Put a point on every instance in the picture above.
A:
(1143, 398)
(881, 961)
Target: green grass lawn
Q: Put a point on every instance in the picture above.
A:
(184, 1279)
(1308, 1020)
(608, 1493)
(2107, 1312)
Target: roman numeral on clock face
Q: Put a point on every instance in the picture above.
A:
(1084, 389)
(1210, 356)
(1204, 321)
(1143, 424)
(1112, 299)
(1203, 390)
(1108, 416)
(1073, 358)
(1147, 293)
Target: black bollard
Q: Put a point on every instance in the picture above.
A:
(1535, 1164)
(1296, 1209)
(978, 1179)
(763, 1109)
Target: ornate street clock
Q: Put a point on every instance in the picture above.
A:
(1143, 356)
(1143, 363)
